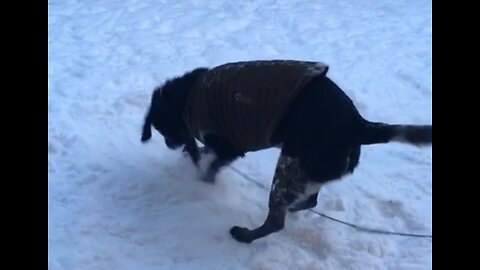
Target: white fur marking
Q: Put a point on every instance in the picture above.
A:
(310, 188)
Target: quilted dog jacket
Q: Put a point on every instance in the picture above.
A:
(245, 101)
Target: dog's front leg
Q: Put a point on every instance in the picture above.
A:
(192, 149)
(224, 152)
(290, 183)
(215, 167)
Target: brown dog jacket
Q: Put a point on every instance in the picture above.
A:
(245, 101)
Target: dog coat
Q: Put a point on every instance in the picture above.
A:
(245, 101)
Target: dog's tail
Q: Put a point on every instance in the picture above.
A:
(373, 133)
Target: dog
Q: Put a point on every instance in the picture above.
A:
(247, 106)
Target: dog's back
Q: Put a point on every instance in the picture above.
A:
(323, 116)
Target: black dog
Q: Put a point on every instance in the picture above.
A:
(247, 106)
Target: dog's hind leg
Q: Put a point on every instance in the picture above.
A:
(290, 184)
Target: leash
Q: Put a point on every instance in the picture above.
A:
(356, 227)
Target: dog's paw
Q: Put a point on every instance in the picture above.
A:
(208, 179)
(241, 234)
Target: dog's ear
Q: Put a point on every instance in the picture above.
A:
(147, 129)
(147, 126)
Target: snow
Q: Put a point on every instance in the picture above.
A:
(115, 203)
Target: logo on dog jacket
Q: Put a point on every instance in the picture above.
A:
(239, 97)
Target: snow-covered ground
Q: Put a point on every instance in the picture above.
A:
(115, 203)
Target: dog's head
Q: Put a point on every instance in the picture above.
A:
(166, 110)
(161, 116)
